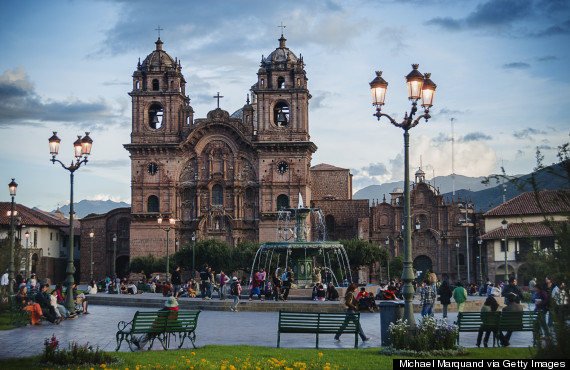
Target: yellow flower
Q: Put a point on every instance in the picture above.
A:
(193, 353)
(320, 354)
(203, 360)
(102, 366)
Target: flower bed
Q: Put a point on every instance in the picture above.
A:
(430, 334)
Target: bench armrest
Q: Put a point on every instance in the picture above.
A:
(124, 326)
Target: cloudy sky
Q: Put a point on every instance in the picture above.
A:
(500, 67)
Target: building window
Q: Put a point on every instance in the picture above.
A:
(282, 202)
(281, 114)
(503, 246)
(155, 115)
(36, 238)
(281, 82)
(50, 236)
(152, 203)
(217, 194)
(329, 222)
(461, 260)
(138, 85)
(155, 85)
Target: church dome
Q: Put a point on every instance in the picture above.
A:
(420, 172)
(280, 55)
(158, 60)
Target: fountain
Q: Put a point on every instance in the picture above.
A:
(306, 258)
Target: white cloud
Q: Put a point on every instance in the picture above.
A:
(105, 197)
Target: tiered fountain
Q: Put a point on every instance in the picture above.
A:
(306, 258)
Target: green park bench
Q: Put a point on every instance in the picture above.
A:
(318, 323)
(497, 322)
(159, 325)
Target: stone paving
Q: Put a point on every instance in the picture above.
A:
(214, 327)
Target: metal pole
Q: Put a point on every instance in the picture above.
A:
(27, 257)
(12, 244)
(506, 266)
(91, 261)
(467, 245)
(114, 256)
(457, 255)
(70, 302)
(480, 264)
(167, 261)
(193, 255)
(407, 273)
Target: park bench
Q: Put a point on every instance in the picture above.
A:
(318, 323)
(17, 315)
(497, 322)
(159, 325)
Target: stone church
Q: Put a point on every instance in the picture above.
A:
(224, 176)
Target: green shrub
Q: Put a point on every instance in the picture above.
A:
(74, 355)
(429, 335)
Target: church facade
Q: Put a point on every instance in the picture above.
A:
(224, 176)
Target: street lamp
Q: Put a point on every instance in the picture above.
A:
(457, 254)
(467, 208)
(12, 186)
(419, 86)
(27, 235)
(480, 241)
(193, 255)
(389, 255)
(114, 256)
(504, 224)
(91, 236)
(82, 149)
(172, 222)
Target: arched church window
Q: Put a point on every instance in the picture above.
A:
(282, 202)
(155, 85)
(152, 204)
(262, 82)
(298, 82)
(329, 222)
(138, 85)
(217, 194)
(281, 82)
(155, 116)
(281, 114)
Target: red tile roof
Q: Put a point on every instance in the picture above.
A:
(521, 230)
(31, 217)
(531, 203)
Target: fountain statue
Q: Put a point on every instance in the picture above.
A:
(306, 258)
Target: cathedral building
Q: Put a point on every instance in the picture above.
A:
(224, 176)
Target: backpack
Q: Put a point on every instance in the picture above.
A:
(284, 276)
(234, 289)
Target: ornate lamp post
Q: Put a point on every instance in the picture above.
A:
(457, 255)
(467, 208)
(172, 222)
(419, 87)
(27, 235)
(480, 241)
(193, 255)
(504, 224)
(114, 256)
(388, 260)
(12, 186)
(91, 236)
(82, 149)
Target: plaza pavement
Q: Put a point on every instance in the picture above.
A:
(214, 327)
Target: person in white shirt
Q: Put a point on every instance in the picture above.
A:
(4, 282)
(92, 287)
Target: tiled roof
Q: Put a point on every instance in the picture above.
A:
(521, 230)
(30, 217)
(327, 167)
(551, 202)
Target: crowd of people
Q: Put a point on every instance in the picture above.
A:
(42, 301)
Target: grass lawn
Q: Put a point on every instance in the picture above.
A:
(5, 321)
(250, 357)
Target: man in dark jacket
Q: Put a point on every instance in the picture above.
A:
(48, 311)
(176, 281)
(512, 288)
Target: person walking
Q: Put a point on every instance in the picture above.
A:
(204, 282)
(224, 280)
(445, 294)
(287, 278)
(255, 286)
(176, 281)
(428, 295)
(531, 285)
(490, 305)
(460, 296)
(542, 305)
(235, 291)
(276, 287)
(351, 306)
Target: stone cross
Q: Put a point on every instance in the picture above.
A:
(218, 96)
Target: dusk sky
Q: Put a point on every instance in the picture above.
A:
(501, 69)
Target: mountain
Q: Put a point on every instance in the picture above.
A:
(484, 196)
(86, 207)
(444, 183)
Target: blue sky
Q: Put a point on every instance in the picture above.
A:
(500, 67)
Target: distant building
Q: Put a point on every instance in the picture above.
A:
(48, 241)
(525, 229)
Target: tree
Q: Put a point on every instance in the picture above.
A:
(19, 255)
(397, 266)
(363, 253)
(243, 254)
(143, 264)
(215, 253)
